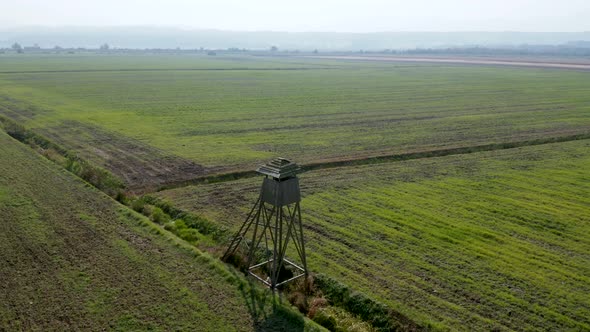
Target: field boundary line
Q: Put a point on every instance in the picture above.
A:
(231, 176)
(8, 72)
(459, 61)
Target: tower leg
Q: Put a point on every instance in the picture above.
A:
(302, 255)
(241, 234)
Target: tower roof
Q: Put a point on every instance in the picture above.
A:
(279, 168)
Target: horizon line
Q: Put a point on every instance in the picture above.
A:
(199, 29)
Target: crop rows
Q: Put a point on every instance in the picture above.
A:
(233, 119)
(488, 240)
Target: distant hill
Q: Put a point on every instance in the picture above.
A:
(165, 37)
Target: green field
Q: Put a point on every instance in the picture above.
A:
(91, 61)
(494, 240)
(491, 240)
(73, 259)
(147, 115)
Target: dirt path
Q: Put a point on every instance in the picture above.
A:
(467, 61)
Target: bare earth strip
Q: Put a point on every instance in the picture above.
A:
(468, 61)
(139, 165)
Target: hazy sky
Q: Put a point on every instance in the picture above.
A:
(307, 15)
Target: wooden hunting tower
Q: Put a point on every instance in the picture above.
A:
(274, 222)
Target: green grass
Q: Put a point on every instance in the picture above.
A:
(74, 259)
(490, 240)
(90, 61)
(234, 119)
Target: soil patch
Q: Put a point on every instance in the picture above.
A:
(141, 167)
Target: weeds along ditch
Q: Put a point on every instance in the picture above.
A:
(97, 176)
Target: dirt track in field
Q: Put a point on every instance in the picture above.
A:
(465, 61)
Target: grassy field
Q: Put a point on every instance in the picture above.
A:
(159, 119)
(124, 62)
(73, 259)
(494, 240)
(486, 241)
